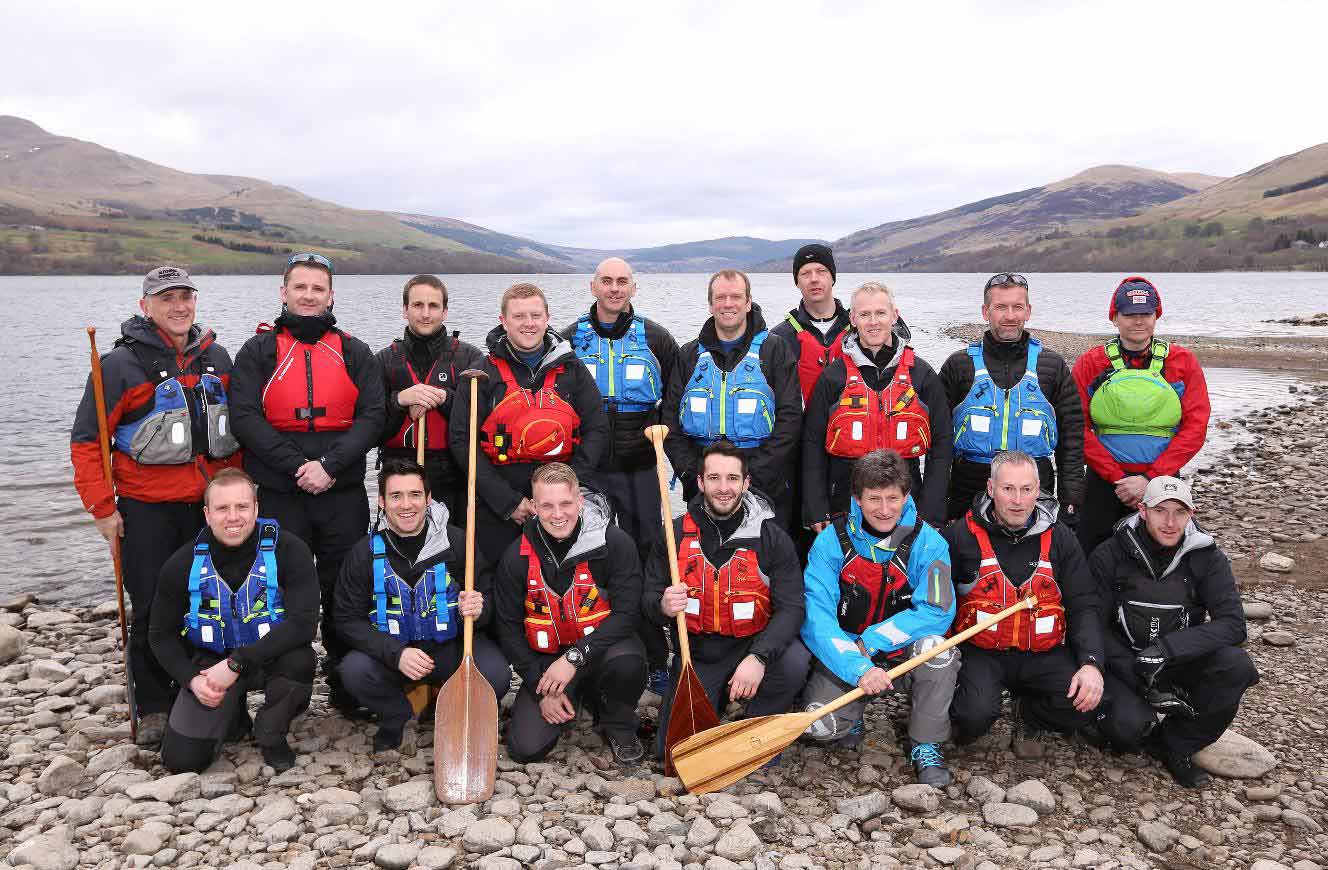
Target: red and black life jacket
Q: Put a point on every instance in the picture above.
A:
(732, 600)
(530, 425)
(442, 375)
(310, 389)
(871, 592)
(1036, 630)
(554, 622)
(813, 356)
(864, 420)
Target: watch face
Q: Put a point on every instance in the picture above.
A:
(574, 656)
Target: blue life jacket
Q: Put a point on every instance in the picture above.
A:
(180, 421)
(627, 373)
(737, 405)
(221, 618)
(990, 419)
(426, 611)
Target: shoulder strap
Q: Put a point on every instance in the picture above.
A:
(979, 361)
(504, 371)
(267, 552)
(196, 580)
(845, 542)
(1112, 350)
(755, 346)
(1160, 349)
(1034, 351)
(979, 533)
(793, 322)
(906, 360)
(379, 582)
(905, 548)
(156, 368)
(551, 376)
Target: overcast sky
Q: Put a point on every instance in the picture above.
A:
(625, 124)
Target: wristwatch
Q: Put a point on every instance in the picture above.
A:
(575, 656)
(1091, 660)
(764, 660)
(236, 667)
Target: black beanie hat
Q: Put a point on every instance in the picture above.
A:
(814, 254)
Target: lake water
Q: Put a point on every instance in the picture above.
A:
(49, 545)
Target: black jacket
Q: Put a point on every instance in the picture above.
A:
(771, 464)
(422, 354)
(1017, 553)
(296, 578)
(628, 449)
(825, 478)
(1006, 363)
(611, 555)
(273, 457)
(501, 488)
(775, 553)
(1131, 557)
(444, 544)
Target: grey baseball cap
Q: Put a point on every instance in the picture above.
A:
(164, 278)
(1162, 489)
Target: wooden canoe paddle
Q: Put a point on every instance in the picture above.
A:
(465, 724)
(690, 711)
(719, 757)
(417, 693)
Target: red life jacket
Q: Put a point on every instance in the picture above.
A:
(554, 622)
(865, 420)
(872, 592)
(733, 600)
(530, 426)
(813, 356)
(435, 426)
(1037, 630)
(310, 389)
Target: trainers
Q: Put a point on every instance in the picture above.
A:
(930, 765)
(627, 749)
(279, 756)
(151, 728)
(241, 726)
(388, 738)
(853, 737)
(658, 681)
(344, 703)
(1180, 766)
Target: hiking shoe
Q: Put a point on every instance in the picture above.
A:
(1180, 766)
(853, 737)
(930, 765)
(344, 703)
(241, 726)
(151, 728)
(658, 681)
(627, 749)
(279, 756)
(388, 738)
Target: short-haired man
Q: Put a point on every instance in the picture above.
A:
(419, 379)
(1176, 628)
(817, 326)
(1007, 547)
(741, 588)
(307, 404)
(235, 611)
(567, 602)
(1009, 392)
(879, 592)
(878, 395)
(1145, 410)
(538, 404)
(736, 382)
(400, 606)
(166, 386)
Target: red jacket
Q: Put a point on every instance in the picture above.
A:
(1181, 368)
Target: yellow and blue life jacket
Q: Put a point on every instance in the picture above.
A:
(425, 612)
(626, 371)
(221, 618)
(737, 405)
(990, 419)
(1135, 412)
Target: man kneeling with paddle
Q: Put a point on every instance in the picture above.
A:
(400, 604)
(741, 590)
(879, 591)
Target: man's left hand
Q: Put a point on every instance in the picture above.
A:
(746, 679)
(1130, 490)
(220, 676)
(1086, 688)
(556, 678)
(470, 604)
(313, 478)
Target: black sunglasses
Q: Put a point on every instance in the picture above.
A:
(317, 259)
(1006, 279)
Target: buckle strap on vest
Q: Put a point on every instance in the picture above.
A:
(379, 587)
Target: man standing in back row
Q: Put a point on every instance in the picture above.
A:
(817, 326)
(307, 404)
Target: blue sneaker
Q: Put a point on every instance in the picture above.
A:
(657, 681)
(930, 765)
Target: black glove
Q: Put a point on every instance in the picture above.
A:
(1149, 663)
(1173, 703)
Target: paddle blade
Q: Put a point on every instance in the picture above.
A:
(690, 713)
(465, 737)
(721, 756)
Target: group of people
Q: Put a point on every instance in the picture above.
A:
(846, 508)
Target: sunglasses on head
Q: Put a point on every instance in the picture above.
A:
(1006, 279)
(316, 259)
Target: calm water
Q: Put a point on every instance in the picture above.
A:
(49, 545)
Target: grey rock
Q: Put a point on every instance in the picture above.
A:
(168, 789)
(632, 790)
(597, 837)
(46, 669)
(409, 796)
(1008, 815)
(984, 791)
(18, 603)
(702, 833)
(335, 814)
(1279, 638)
(767, 803)
(396, 856)
(61, 776)
(12, 644)
(436, 857)
(231, 805)
(863, 807)
(1274, 562)
(1157, 836)
(1258, 610)
(334, 796)
(628, 831)
(489, 835)
(1265, 864)
(1236, 756)
(50, 618)
(278, 810)
(1294, 819)
(80, 812)
(1033, 794)
(1046, 853)
(946, 854)
(280, 832)
(148, 840)
(499, 862)
(115, 757)
(49, 851)
(738, 843)
(917, 797)
(1086, 858)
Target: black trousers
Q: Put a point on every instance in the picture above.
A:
(635, 499)
(195, 733)
(968, 478)
(382, 690)
(783, 680)
(1100, 513)
(330, 523)
(1214, 684)
(1040, 680)
(153, 531)
(610, 686)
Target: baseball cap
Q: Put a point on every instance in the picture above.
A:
(1135, 295)
(1162, 489)
(164, 278)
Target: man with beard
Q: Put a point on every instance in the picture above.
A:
(419, 378)
(307, 404)
(166, 384)
(739, 383)
(567, 602)
(538, 404)
(741, 588)
(400, 605)
(1009, 392)
(878, 395)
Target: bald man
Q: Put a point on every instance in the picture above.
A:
(631, 358)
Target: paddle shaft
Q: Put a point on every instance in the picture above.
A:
(419, 440)
(684, 646)
(468, 627)
(104, 437)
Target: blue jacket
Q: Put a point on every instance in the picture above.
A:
(932, 610)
